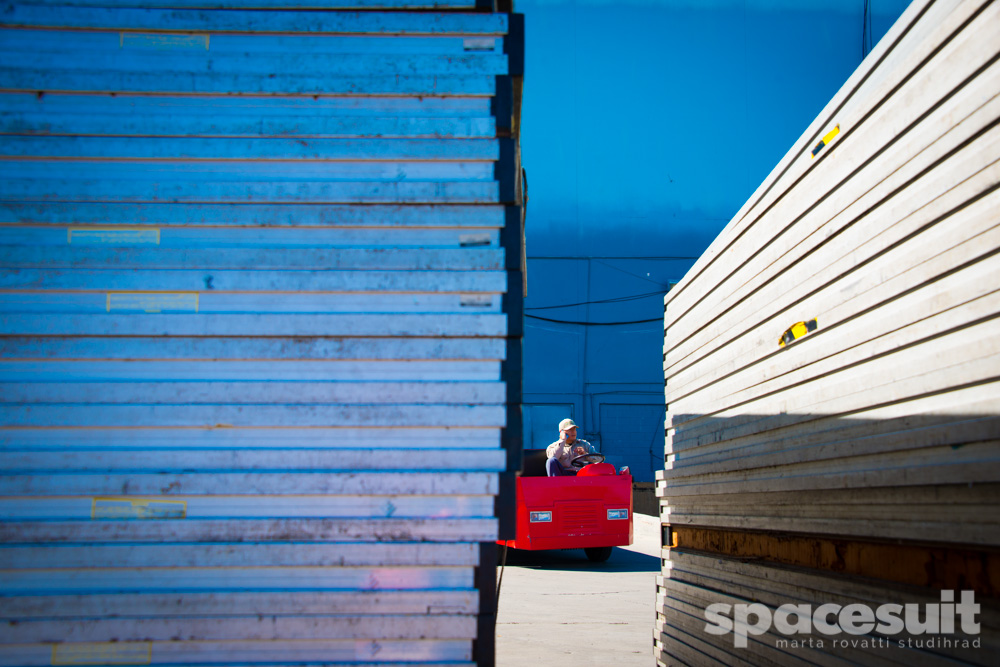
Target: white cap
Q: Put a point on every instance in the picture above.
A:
(566, 424)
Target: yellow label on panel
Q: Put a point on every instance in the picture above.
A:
(831, 134)
(103, 653)
(137, 508)
(153, 302)
(826, 140)
(113, 236)
(161, 41)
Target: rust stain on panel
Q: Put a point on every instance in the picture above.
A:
(934, 566)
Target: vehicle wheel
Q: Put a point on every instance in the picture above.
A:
(598, 554)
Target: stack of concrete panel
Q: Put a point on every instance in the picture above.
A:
(832, 366)
(260, 330)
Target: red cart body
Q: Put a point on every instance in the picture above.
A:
(593, 509)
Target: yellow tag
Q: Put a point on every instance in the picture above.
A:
(102, 653)
(137, 508)
(797, 330)
(113, 236)
(153, 302)
(826, 140)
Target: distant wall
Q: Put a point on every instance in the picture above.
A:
(646, 125)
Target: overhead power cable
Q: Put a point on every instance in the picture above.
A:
(634, 275)
(593, 324)
(617, 299)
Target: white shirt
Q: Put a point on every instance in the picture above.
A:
(563, 451)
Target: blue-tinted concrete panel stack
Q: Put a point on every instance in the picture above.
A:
(832, 367)
(260, 328)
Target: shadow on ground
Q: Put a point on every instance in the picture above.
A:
(621, 560)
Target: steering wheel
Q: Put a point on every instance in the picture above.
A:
(586, 459)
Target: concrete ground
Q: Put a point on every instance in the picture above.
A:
(557, 608)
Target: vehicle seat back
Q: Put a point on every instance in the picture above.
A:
(534, 463)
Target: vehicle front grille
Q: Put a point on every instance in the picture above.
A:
(578, 518)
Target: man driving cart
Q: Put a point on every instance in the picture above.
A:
(562, 452)
(574, 501)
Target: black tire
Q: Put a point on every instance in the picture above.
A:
(598, 554)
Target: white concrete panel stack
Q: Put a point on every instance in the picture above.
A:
(260, 330)
(832, 368)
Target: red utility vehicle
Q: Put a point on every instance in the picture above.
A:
(591, 511)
